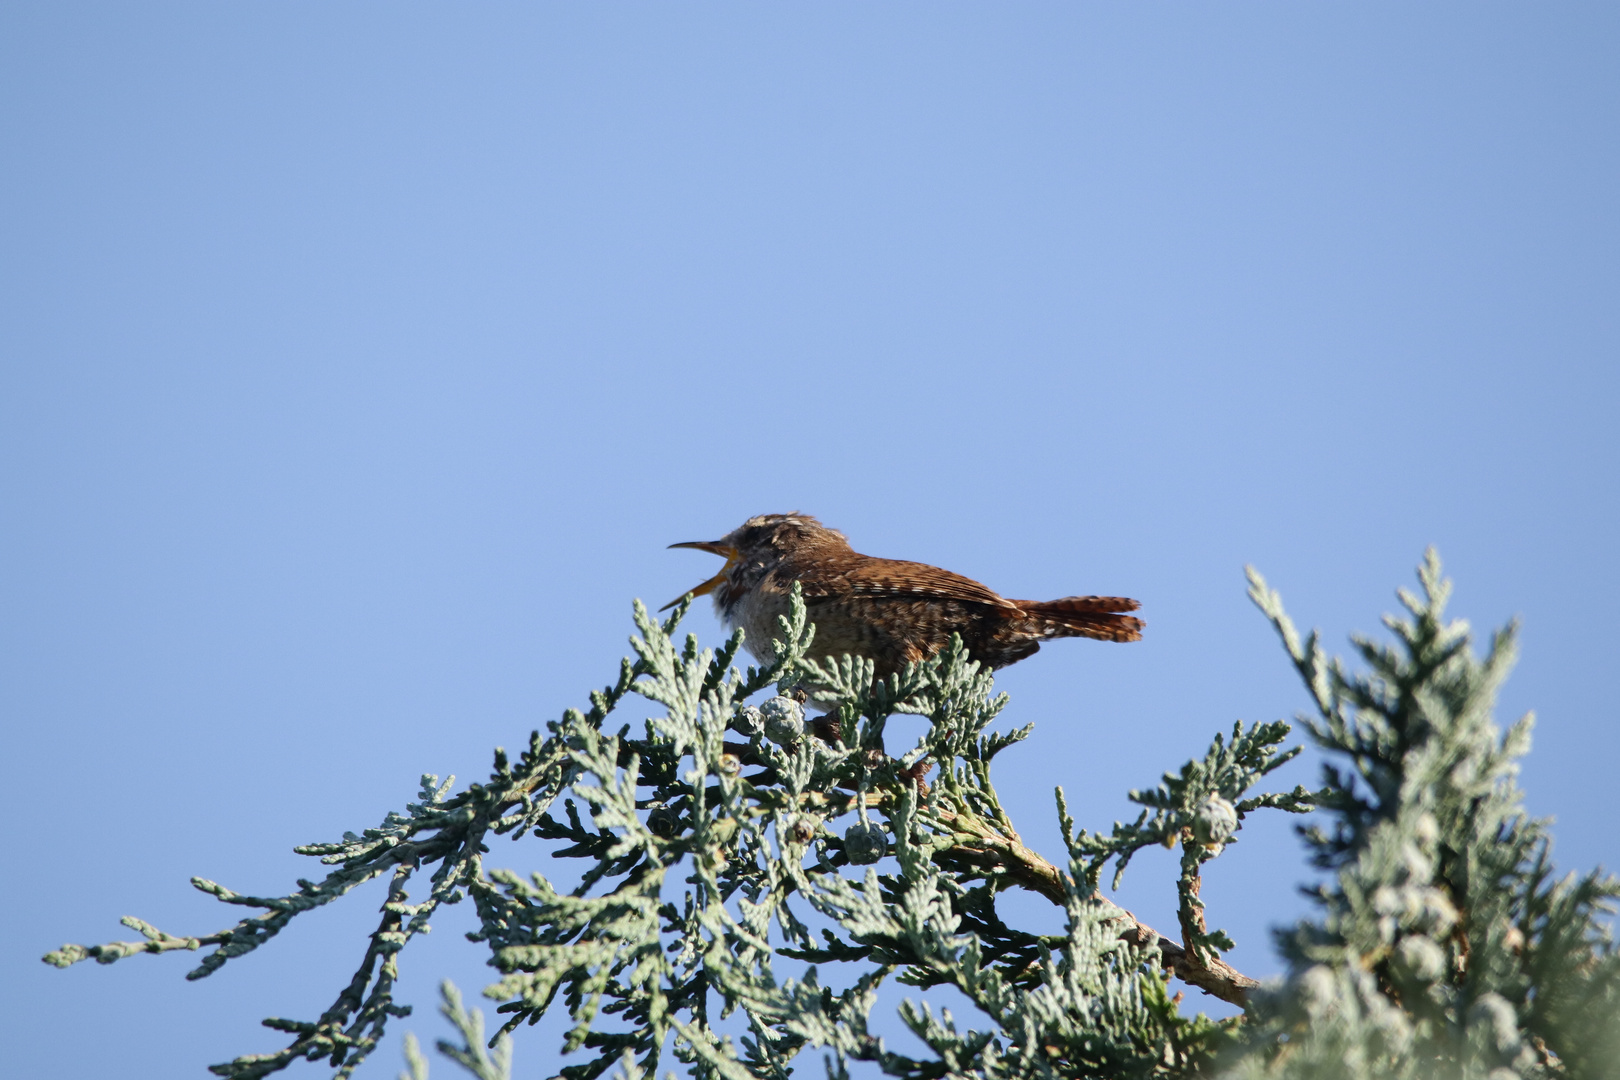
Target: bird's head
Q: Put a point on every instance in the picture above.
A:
(754, 548)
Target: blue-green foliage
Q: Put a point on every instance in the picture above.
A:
(1444, 947)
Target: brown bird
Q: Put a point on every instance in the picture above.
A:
(891, 611)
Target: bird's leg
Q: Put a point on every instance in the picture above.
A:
(826, 728)
(916, 775)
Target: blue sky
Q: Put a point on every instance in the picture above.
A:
(361, 360)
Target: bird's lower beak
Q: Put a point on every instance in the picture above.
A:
(714, 547)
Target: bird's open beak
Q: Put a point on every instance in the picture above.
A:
(714, 547)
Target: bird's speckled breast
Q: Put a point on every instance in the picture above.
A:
(912, 631)
(757, 612)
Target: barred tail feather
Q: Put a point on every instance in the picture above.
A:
(1098, 617)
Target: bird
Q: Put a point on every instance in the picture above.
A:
(893, 612)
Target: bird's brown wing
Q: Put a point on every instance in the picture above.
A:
(898, 579)
(900, 612)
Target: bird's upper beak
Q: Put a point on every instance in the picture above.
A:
(715, 547)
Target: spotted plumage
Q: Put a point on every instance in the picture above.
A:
(894, 612)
